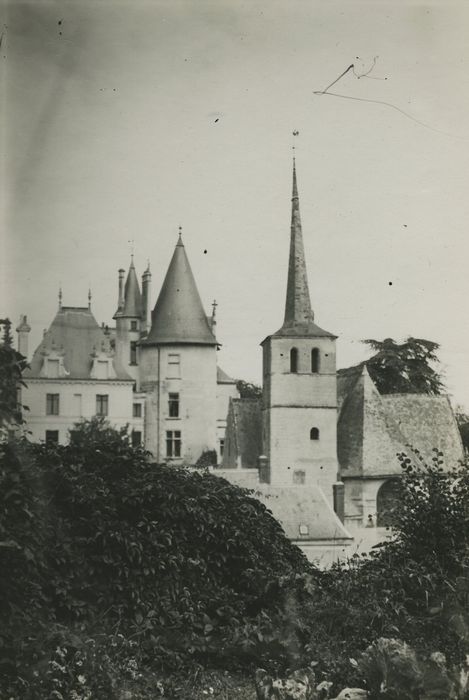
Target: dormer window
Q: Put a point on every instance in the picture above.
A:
(315, 360)
(294, 360)
(52, 368)
(102, 369)
(304, 530)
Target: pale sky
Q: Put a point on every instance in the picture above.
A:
(123, 120)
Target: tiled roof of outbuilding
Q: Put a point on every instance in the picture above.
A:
(293, 506)
(373, 429)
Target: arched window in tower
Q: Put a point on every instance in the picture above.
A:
(315, 360)
(294, 360)
(314, 434)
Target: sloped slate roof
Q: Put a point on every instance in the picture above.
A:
(306, 329)
(223, 378)
(372, 429)
(424, 422)
(364, 442)
(244, 431)
(75, 333)
(178, 316)
(302, 505)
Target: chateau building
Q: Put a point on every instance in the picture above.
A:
(155, 372)
(319, 448)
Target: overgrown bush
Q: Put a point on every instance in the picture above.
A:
(98, 540)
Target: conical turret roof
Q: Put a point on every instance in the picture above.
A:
(299, 316)
(178, 316)
(132, 295)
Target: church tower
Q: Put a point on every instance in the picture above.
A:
(299, 384)
(178, 369)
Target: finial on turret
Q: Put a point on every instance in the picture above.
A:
(60, 297)
(180, 236)
(89, 298)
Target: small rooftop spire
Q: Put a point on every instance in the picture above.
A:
(60, 298)
(89, 298)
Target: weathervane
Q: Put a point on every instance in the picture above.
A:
(294, 133)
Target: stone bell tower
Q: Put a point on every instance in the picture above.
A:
(299, 384)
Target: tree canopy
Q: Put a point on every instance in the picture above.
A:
(411, 367)
(12, 365)
(248, 390)
(95, 537)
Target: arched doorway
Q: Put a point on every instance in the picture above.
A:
(387, 501)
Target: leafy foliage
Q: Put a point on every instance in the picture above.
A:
(12, 366)
(248, 390)
(97, 539)
(405, 368)
(115, 569)
(208, 458)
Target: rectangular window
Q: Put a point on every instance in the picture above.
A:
(133, 352)
(173, 443)
(173, 405)
(136, 438)
(174, 366)
(52, 368)
(133, 325)
(77, 407)
(221, 443)
(52, 404)
(102, 369)
(52, 437)
(137, 410)
(299, 477)
(102, 404)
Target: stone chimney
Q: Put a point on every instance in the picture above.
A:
(120, 302)
(146, 300)
(23, 331)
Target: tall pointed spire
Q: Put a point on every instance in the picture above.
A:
(299, 316)
(298, 310)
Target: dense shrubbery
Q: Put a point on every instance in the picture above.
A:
(96, 540)
(114, 569)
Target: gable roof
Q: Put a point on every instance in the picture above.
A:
(293, 506)
(373, 429)
(75, 334)
(178, 316)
